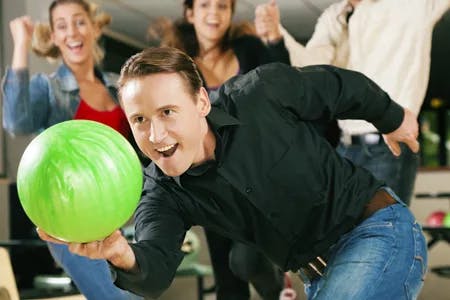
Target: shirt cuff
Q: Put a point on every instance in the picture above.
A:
(391, 119)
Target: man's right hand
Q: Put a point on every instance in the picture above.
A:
(114, 248)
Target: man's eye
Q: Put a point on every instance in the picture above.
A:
(167, 112)
(139, 120)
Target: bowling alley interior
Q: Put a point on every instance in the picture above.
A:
(28, 270)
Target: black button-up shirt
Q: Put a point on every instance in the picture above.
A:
(276, 182)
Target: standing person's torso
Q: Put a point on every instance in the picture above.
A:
(390, 42)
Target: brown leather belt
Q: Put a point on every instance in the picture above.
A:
(380, 200)
(315, 268)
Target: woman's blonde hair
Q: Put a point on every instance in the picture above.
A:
(42, 44)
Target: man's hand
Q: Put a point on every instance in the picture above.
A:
(407, 133)
(267, 21)
(114, 248)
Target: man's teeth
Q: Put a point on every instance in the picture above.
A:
(165, 148)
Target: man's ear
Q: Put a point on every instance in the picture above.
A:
(189, 15)
(203, 103)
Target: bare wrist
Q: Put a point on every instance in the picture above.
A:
(126, 261)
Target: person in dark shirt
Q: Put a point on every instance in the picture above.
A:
(255, 167)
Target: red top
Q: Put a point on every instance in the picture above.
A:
(114, 118)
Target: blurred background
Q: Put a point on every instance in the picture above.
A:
(128, 34)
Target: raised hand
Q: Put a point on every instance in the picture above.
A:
(22, 31)
(407, 133)
(267, 20)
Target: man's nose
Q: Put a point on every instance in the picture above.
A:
(157, 132)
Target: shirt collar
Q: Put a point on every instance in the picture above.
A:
(218, 119)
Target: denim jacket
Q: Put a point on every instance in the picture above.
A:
(32, 105)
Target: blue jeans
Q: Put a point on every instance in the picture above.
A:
(399, 173)
(384, 257)
(91, 276)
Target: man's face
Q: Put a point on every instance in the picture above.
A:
(167, 121)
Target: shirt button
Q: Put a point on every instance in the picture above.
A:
(248, 190)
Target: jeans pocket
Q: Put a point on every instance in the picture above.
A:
(418, 270)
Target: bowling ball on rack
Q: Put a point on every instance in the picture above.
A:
(79, 180)
(436, 219)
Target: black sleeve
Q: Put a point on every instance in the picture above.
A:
(327, 93)
(160, 232)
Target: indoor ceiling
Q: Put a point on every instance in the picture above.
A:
(132, 17)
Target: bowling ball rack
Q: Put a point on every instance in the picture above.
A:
(437, 234)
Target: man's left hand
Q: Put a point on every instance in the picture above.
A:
(407, 133)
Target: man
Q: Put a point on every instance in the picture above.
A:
(256, 168)
(388, 41)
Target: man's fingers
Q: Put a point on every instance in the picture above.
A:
(413, 145)
(394, 147)
(77, 248)
(44, 236)
(94, 250)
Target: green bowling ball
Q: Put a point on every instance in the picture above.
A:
(79, 180)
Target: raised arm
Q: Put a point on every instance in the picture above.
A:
(267, 18)
(320, 49)
(25, 101)
(21, 31)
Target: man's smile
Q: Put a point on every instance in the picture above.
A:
(168, 150)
